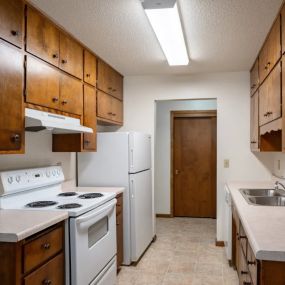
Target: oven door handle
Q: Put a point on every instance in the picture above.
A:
(97, 214)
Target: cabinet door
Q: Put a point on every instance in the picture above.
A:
(263, 60)
(42, 37)
(90, 68)
(263, 103)
(11, 99)
(254, 78)
(71, 95)
(42, 84)
(90, 120)
(11, 21)
(104, 77)
(243, 273)
(104, 106)
(71, 56)
(117, 110)
(274, 94)
(117, 84)
(254, 134)
(283, 28)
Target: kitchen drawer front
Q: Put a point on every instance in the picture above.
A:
(51, 273)
(243, 240)
(42, 248)
(252, 264)
(119, 206)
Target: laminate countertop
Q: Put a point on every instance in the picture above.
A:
(264, 225)
(16, 225)
(117, 190)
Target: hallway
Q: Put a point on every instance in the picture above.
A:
(184, 254)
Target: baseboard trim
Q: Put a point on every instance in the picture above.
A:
(220, 243)
(163, 215)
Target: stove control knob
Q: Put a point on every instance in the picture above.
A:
(10, 179)
(18, 178)
(48, 173)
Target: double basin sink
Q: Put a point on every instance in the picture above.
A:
(264, 197)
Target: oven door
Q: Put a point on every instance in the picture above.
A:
(92, 243)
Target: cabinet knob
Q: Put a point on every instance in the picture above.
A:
(14, 33)
(64, 61)
(16, 138)
(113, 114)
(243, 272)
(55, 55)
(110, 113)
(46, 246)
(64, 102)
(246, 283)
(47, 282)
(55, 99)
(88, 75)
(114, 90)
(269, 113)
(87, 142)
(251, 262)
(110, 88)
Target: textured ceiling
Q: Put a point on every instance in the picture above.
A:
(222, 35)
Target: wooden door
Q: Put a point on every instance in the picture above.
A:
(263, 60)
(117, 85)
(104, 77)
(71, 95)
(90, 68)
(254, 78)
(42, 37)
(194, 166)
(254, 134)
(11, 99)
(104, 106)
(263, 103)
(283, 29)
(71, 56)
(42, 84)
(90, 120)
(117, 110)
(12, 21)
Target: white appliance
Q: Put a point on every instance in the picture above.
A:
(124, 159)
(91, 227)
(228, 223)
(38, 120)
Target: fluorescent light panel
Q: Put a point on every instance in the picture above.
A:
(167, 27)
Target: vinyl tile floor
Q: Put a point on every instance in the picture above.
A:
(183, 254)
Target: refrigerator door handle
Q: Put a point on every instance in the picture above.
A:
(132, 158)
(132, 189)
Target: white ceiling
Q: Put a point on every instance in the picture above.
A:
(222, 35)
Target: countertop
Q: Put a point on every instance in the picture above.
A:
(264, 225)
(117, 190)
(16, 225)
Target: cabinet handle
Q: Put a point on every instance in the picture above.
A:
(88, 75)
(246, 283)
(16, 138)
(243, 272)
(269, 113)
(113, 114)
(114, 90)
(55, 99)
(251, 262)
(268, 63)
(46, 246)
(46, 282)
(15, 33)
(253, 142)
(64, 102)
(87, 142)
(110, 88)
(110, 113)
(55, 55)
(64, 61)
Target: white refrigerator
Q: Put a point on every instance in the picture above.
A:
(124, 159)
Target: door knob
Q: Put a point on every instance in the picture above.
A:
(177, 171)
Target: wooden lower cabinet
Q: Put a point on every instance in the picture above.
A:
(119, 218)
(37, 260)
(250, 270)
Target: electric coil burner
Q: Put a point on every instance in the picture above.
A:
(67, 194)
(69, 206)
(41, 204)
(90, 196)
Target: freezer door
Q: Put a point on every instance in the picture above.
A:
(142, 216)
(139, 152)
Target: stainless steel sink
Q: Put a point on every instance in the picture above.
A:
(267, 201)
(260, 192)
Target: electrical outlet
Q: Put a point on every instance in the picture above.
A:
(226, 163)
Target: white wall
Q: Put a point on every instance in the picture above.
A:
(233, 110)
(38, 152)
(162, 154)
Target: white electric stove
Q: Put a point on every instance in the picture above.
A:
(91, 227)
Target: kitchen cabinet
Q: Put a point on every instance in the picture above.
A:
(283, 29)
(42, 37)
(11, 99)
(109, 80)
(254, 129)
(71, 56)
(119, 219)
(254, 78)
(270, 97)
(109, 108)
(90, 68)
(12, 21)
(271, 51)
(38, 259)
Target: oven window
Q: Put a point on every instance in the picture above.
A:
(97, 231)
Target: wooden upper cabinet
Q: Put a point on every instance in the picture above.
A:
(12, 21)
(71, 56)
(11, 99)
(283, 29)
(42, 84)
(71, 95)
(117, 110)
(109, 80)
(254, 134)
(271, 51)
(254, 78)
(90, 68)
(89, 118)
(104, 106)
(42, 37)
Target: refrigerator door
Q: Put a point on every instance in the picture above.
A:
(141, 213)
(139, 152)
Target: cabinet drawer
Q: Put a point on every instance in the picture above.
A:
(51, 273)
(39, 250)
(243, 239)
(252, 264)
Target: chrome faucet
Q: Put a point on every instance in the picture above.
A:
(277, 183)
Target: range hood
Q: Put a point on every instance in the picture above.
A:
(38, 120)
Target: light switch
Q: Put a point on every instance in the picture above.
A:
(226, 163)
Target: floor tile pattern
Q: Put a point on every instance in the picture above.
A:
(183, 254)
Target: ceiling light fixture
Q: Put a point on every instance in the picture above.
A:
(164, 18)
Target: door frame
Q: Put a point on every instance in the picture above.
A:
(182, 114)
